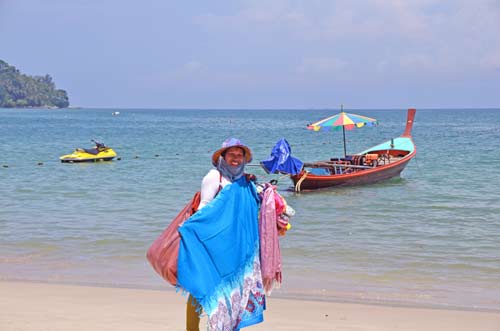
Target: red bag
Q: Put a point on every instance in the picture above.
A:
(164, 251)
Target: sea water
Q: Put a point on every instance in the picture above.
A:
(429, 238)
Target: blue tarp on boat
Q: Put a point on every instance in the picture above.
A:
(281, 160)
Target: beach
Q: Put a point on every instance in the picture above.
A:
(27, 306)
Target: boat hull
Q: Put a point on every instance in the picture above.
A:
(80, 155)
(368, 176)
(71, 160)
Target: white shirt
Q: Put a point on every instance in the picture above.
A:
(210, 186)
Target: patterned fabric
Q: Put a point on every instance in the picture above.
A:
(219, 263)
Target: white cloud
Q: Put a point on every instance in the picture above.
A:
(491, 61)
(416, 62)
(192, 67)
(419, 34)
(320, 66)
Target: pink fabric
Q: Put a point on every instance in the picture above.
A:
(279, 203)
(270, 254)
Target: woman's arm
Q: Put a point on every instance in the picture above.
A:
(209, 187)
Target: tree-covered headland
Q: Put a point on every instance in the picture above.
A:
(18, 90)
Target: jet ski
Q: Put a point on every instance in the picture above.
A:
(99, 153)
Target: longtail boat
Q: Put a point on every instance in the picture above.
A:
(380, 162)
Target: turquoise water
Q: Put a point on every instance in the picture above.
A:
(429, 238)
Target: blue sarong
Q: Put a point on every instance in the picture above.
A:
(219, 263)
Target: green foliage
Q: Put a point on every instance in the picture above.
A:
(19, 90)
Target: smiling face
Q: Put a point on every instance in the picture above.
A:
(234, 156)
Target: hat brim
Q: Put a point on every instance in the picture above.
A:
(218, 153)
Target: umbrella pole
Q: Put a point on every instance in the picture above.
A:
(343, 132)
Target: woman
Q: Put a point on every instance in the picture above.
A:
(246, 299)
(229, 162)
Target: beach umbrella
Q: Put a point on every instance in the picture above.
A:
(346, 121)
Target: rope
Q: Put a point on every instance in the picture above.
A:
(54, 161)
(299, 182)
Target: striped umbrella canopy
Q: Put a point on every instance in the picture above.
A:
(346, 121)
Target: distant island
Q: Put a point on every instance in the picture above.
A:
(18, 90)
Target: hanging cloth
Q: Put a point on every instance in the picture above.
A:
(270, 254)
(219, 263)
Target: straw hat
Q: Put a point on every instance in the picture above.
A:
(228, 143)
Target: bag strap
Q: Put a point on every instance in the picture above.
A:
(220, 184)
(196, 202)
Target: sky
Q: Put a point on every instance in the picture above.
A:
(273, 54)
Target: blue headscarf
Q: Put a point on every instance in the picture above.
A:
(230, 172)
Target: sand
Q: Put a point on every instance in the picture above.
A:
(51, 307)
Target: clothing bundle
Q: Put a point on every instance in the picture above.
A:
(219, 262)
(228, 252)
